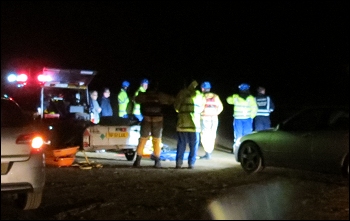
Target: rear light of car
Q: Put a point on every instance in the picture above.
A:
(37, 142)
(34, 140)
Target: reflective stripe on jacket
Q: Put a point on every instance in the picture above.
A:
(213, 105)
(243, 108)
(189, 104)
(265, 105)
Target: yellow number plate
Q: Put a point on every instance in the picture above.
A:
(117, 135)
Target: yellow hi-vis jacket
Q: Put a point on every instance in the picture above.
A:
(137, 106)
(123, 100)
(189, 104)
(243, 108)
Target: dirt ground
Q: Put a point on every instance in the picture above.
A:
(214, 189)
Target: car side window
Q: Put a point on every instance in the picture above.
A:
(304, 121)
(11, 114)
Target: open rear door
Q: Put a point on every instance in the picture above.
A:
(55, 79)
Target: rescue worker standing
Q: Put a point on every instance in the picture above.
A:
(189, 104)
(151, 103)
(209, 119)
(123, 100)
(137, 108)
(244, 111)
(262, 120)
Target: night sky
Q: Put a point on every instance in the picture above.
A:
(298, 50)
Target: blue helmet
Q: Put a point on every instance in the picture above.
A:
(206, 85)
(244, 87)
(125, 84)
(144, 81)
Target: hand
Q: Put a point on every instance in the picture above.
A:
(99, 110)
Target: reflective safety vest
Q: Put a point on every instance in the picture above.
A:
(189, 107)
(137, 106)
(243, 108)
(213, 105)
(123, 100)
(265, 105)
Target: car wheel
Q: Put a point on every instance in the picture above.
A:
(29, 200)
(250, 157)
(130, 155)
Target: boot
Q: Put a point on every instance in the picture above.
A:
(157, 163)
(137, 161)
(207, 156)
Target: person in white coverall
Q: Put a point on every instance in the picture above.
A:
(209, 119)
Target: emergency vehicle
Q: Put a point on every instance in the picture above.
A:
(64, 108)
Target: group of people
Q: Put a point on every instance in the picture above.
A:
(248, 109)
(197, 116)
(100, 106)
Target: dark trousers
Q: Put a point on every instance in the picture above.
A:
(262, 123)
(192, 138)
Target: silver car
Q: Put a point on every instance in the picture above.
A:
(316, 138)
(22, 157)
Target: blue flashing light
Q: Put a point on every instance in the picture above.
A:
(12, 78)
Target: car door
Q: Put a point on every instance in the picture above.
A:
(331, 141)
(291, 144)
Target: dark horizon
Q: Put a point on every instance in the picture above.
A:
(298, 50)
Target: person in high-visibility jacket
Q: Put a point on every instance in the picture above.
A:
(189, 104)
(209, 119)
(137, 108)
(244, 111)
(123, 100)
(265, 104)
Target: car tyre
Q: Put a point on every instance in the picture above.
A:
(130, 155)
(29, 200)
(251, 158)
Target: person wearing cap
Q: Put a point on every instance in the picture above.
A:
(209, 119)
(244, 111)
(137, 107)
(123, 100)
(262, 120)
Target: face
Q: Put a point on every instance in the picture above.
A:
(107, 93)
(94, 95)
(145, 86)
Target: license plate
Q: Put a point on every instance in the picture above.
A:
(4, 168)
(117, 135)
